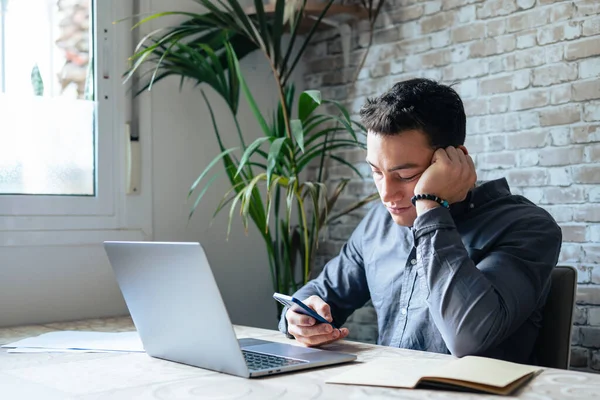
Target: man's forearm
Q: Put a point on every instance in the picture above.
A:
(467, 309)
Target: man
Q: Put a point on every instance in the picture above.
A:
(450, 267)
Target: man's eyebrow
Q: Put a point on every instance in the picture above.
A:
(396, 168)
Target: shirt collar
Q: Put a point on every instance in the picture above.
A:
(481, 194)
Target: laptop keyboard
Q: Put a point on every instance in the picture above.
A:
(258, 361)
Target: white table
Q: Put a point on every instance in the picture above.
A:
(88, 376)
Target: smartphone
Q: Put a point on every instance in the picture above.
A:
(298, 306)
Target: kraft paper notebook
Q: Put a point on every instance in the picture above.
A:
(477, 374)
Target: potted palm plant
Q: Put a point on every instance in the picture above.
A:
(293, 207)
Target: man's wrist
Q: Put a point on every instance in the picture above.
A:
(423, 206)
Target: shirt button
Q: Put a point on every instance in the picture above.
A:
(413, 261)
(471, 205)
(403, 311)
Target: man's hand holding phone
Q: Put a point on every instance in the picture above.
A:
(307, 330)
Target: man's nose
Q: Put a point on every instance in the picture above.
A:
(388, 191)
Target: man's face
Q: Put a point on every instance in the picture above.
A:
(397, 163)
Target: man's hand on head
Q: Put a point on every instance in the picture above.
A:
(307, 331)
(450, 177)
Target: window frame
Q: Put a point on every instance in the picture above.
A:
(111, 209)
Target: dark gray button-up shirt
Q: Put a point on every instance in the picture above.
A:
(471, 280)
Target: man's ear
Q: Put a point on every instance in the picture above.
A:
(464, 150)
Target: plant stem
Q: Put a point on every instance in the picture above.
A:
(373, 18)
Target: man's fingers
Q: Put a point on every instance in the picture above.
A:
(322, 308)
(295, 318)
(310, 331)
(323, 339)
(472, 169)
(453, 154)
(440, 155)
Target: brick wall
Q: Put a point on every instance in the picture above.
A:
(529, 74)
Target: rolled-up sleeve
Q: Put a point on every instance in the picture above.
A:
(342, 284)
(477, 306)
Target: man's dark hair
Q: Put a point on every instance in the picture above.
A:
(422, 104)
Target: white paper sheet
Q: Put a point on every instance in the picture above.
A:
(82, 341)
(40, 350)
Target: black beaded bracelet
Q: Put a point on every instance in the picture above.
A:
(432, 197)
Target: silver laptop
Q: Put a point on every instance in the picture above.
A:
(180, 316)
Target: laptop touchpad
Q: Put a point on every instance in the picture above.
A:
(285, 350)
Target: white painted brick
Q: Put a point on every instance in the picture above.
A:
(364, 73)
(496, 27)
(488, 161)
(521, 79)
(587, 7)
(498, 104)
(525, 4)
(530, 119)
(554, 156)
(495, 8)
(511, 123)
(589, 68)
(528, 177)
(591, 26)
(517, 191)
(563, 31)
(530, 57)
(467, 14)
(527, 139)
(583, 276)
(535, 195)
(467, 88)
(591, 253)
(592, 153)
(561, 94)
(560, 136)
(560, 176)
(527, 99)
(397, 67)
(553, 54)
(475, 143)
(459, 54)
(594, 316)
(588, 294)
(431, 7)
(440, 39)
(433, 74)
(586, 213)
(570, 253)
(591, 111)
(594, 233)
(585, 134)
(528, 158)
(492, 175)
(495, 142)
(526, 40)
(553, 74)
(560, 213)
(467, 69)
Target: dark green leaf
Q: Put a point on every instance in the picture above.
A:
(208, 167)
(273, 158)
(201, 195)
(308, 102)
(249, 151)
(250, 98)
(298, 133)
(346, 163)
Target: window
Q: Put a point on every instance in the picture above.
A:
(63, 115)
(47, 107)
